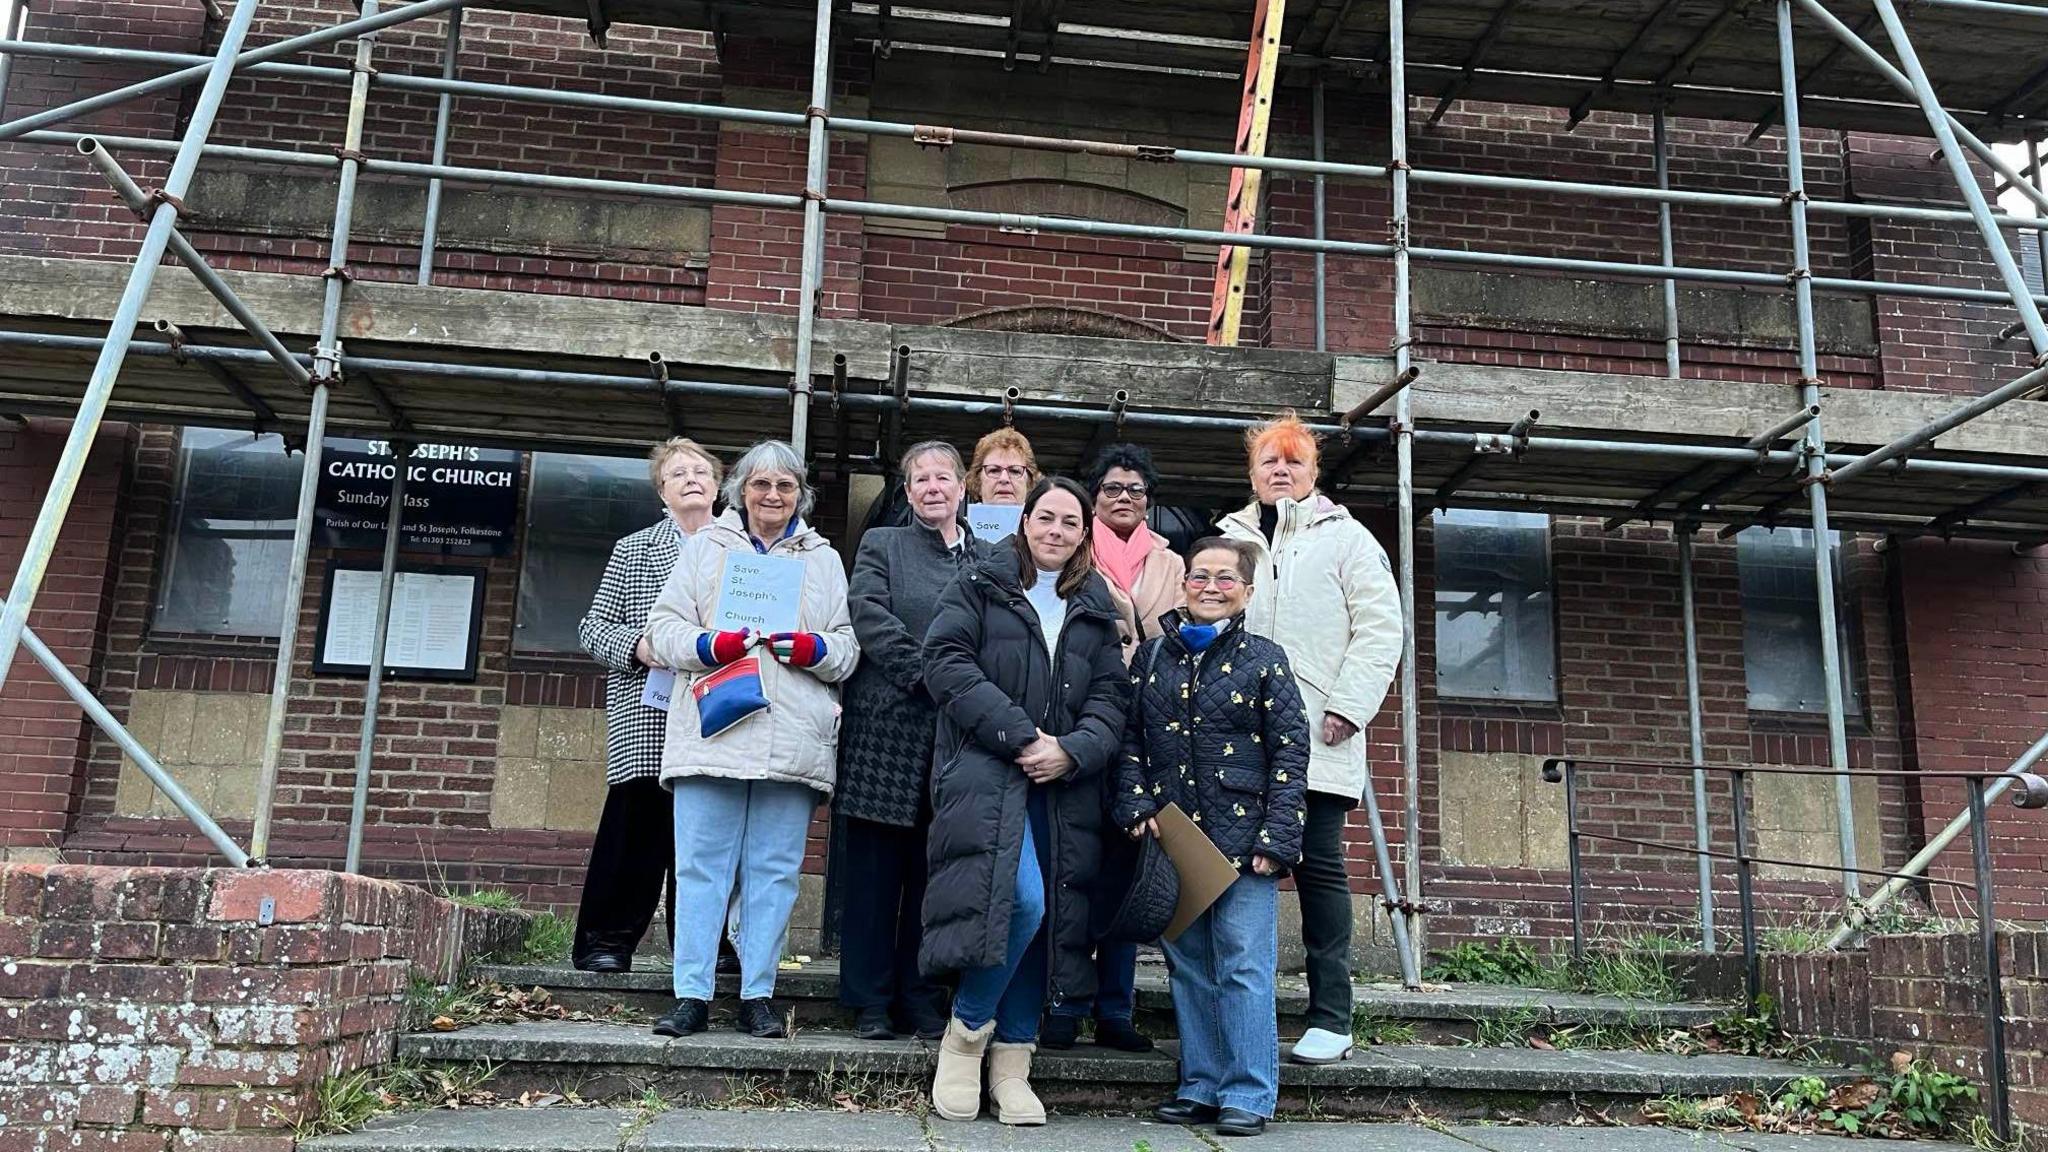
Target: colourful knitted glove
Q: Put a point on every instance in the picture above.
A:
(797, 649)
(718, 649)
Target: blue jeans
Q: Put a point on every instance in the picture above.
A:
(752, 829)
(1116, 985)
(1223, 969)
(1012, 993)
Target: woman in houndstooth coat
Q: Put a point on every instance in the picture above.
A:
(633, 857)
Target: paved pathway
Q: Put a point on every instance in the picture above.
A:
(692, 1130)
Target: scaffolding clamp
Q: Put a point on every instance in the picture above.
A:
(160, 196)
(1798, 274)
(1795, 196)
(931, 136)
(815, 112)
(327, 364)
(176, 335)
(339, 272)
(811, 194)
(345, 152)
(1153, 154)
(1012, 223)
(1010, 395)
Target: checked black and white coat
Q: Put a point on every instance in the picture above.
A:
(633, 577)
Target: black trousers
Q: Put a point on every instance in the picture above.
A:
(1324, 889)
(632, 862)
(882, 919)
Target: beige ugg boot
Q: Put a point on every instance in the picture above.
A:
(1009, 1084)
(956, 1087)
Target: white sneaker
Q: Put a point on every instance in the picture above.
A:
(1320, 1046)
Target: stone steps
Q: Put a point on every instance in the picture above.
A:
(609, 1063)
(560, 1129)
(1442, 1014)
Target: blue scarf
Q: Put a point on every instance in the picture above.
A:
(1198, 636)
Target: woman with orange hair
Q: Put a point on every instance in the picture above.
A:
(1325, 591)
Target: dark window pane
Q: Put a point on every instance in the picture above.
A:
(1495, 628)
(231, 538)
(1781, 657)
(577, 508)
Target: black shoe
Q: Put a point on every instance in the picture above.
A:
(606, 962)
(1185, 1112)
(759, 1018)
(728, 962)
(1059, 1032)
(687, 1018)
(924, 1021)
(1120, 1035)
(1238, 1122)
(873, 1024)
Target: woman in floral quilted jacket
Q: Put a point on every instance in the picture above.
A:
(1217, 727)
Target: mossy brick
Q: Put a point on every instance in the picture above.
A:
(200, 942)
(230, 1142)
(250, 1068)
(125, 941)
(75, 892)
(296, 897)
(21, 889)
(249, 985)
(115, 1140)
(17, 936)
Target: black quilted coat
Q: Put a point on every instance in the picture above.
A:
(885, 737)
(1224, 735)
(986, 665)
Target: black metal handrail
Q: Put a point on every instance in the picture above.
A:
(2032, 792)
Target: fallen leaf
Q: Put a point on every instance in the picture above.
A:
(1746, 1105)
(1901, 1061)
(1853, 1096)
(1541, 1045)
(846, 1103)
(443, 1024)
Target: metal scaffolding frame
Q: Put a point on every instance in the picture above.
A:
(1688, 501)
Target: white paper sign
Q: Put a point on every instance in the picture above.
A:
(994, 521)
(763, 593)
(429, 625)
(659, 689)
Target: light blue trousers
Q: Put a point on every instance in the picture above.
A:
(752, 830)
(1223, 969)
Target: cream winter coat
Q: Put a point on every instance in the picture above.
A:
(796, 740)
(1325, 591)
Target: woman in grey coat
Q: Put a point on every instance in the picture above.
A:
(885, 747)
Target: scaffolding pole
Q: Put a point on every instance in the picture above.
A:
(18, 32)
(1321, 223)
(813, 256)
(430, 224)
(327, 373)
(1665, 254)
(41, 546)
(373, 688)
(1696, 729)
(362, 25)
(1816, 454)
(1403, 429)
(130, 746)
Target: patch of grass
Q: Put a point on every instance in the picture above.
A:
(1638, 968)
(1686, 1112)
(1371, 1028)
(650, 1104)
(1510, 1028)
(1911, 1098)
(443, 1007)
(345, 1103)
(548, 939)
(748, 1092)
(496, 898)
(1508, 962)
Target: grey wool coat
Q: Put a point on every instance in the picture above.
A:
(885, 740)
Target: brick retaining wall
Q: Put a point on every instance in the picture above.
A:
(154, 1009)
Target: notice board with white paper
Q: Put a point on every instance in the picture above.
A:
(434, 627)
(761, 593)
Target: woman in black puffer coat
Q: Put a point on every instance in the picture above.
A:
(1024, 663)
(1217, 727)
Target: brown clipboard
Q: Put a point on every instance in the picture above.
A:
(1204, 871)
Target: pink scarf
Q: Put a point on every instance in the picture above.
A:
(1119, 559)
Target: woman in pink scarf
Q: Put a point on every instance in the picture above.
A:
(1144, 574)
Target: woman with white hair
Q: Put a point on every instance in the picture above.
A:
(744, 781)
(632, 858)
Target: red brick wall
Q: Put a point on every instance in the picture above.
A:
(42, 731)
(152, 1009)
(1975, 642)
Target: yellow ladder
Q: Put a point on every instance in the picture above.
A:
(1241, 210)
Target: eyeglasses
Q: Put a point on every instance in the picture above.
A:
(1113, 490)
(689, 472)
(998, 471)
(1223, 580)
(761, 487)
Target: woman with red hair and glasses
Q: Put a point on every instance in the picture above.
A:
(1325, 591)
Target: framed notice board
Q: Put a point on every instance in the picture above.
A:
(436, 623)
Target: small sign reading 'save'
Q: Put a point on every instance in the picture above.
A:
(762, 593)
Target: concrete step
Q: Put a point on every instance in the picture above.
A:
(560, 1129)
(614, 1062)
(1443, 1013)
